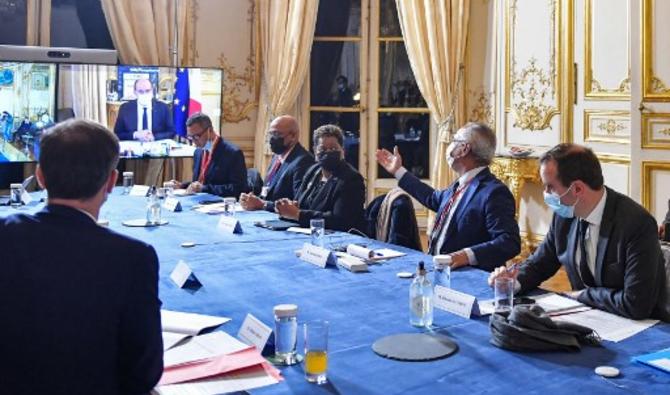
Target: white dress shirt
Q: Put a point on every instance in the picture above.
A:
(592, 233)
(462, 186)
(140, 112)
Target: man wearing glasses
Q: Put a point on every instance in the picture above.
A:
(144, 118)
(218, 166)
(475, 221)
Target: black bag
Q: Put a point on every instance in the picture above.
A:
(529, 328)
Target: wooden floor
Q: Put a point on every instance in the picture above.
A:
(558, 283)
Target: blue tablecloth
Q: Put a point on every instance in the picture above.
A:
(252, 272)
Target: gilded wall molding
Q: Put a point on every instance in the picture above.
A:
(594, 89)
(605, 126)
(651, 139)
(648, 168)
(530, 87)
(480, 106)
(653, 88)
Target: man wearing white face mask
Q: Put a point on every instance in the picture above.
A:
(475, 221)
(145, 118)
(606, 242)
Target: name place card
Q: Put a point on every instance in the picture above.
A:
(316, 255)
(182, 273)
(172, 204)
(254, 332)
(139, 190)
(455, 302)
(229, 224)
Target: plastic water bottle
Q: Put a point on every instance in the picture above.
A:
(421, 299)
(286, 332)
(153, 208)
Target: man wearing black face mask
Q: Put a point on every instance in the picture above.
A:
(331, 189)
(287, 167)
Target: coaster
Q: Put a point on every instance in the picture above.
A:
(143, 223)
(415, 347)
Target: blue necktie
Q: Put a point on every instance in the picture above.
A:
(145, 119)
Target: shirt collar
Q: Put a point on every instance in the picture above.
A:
(470, 174)
(88, 214)
(148, 106)
(596, 215)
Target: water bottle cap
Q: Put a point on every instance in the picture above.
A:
(285, 310)
(15, 186)
(127, 173)
(442, 260)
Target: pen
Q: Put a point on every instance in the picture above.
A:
(513, 267)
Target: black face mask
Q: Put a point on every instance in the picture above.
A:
(330, 160)
(277, 145)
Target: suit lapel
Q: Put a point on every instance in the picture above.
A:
(212, 161)
(197, 161)
(606, 225)
(465, 200)
(573, 270)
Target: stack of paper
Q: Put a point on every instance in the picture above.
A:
(178, 326)
(554, 304)
(215, 363)
(608, 326)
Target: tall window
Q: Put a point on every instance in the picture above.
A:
(361, 80)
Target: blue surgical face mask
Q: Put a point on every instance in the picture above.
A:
(554, 202)
(208, 145)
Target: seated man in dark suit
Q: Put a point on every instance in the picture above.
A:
(331, 189)
(144, 118)
(606, 242)
(79, 301)
(287, 167)
(475, 221)
(218, 166)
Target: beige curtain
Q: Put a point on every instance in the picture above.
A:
(143, 30)
(286, 35)
(89, 92)
(435, 35)
(38, 22)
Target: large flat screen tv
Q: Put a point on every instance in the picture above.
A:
(27, 107)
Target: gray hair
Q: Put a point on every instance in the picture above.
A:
(482, 141)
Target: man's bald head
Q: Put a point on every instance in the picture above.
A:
(284, 127)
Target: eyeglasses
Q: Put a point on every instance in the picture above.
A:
(196, 136)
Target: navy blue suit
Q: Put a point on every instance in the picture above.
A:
(286, 182)
(80, 307)
(483, 221)
(226, 174)
(161, 121)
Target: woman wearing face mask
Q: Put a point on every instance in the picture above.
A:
(331, 189)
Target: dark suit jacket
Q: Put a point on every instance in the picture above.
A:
(629, 272)
(80, 307)
(161, 121)
(286, 183)
(340, 202)
(484, 219)
(226, 174)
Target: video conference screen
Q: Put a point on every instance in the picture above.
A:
(145, 106)
(27, 107)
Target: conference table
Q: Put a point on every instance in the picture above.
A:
(253, 271)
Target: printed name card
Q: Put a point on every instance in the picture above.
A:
(229, 224)
(182, 274)
(455, 302)
(172, 204)
(139, 190)
(316, 255)
(254, 332)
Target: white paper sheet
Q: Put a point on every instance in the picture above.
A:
(189, 323)
(203, 346)
(386, 253)
(170, 339)
(554, 303)
(231, 382)
(295, 229)
(608, 326)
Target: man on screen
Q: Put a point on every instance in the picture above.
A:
(81, 307)
(144, 118)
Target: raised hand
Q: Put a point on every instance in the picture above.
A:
(391, 162)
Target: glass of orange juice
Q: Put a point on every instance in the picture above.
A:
(316, 351)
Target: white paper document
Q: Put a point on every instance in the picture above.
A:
(203, 346)
(231, 382)
(554, 303)
(386, 253)
(295, 229)
(608, 326)
(189, 323)
(171, 339)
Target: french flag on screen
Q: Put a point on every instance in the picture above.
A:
(187, 98)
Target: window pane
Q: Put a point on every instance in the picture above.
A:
(389, 25)
(410, 132)
(339, 18)
(349, 122)
(335, 74)
(397, 86)
(85, 21)
(13, 19)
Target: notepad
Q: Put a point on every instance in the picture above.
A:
(659, 360)
(202, 347)
(554, 303)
